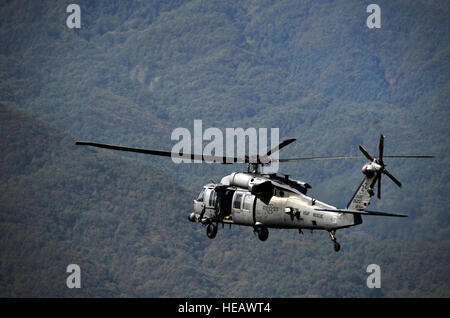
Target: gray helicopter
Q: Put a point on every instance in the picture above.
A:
(264, 201)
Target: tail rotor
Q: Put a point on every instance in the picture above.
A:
(381, 165)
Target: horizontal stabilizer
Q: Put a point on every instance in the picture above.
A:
(363, 212)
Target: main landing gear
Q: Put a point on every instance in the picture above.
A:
(211, 230)
(337, 246)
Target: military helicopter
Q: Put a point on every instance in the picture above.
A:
(264, 201)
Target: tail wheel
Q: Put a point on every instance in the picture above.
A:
(337, 246)
(211, 230)
(263, 233)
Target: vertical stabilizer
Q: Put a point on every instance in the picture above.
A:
(361, 199)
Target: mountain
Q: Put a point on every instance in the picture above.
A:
(61, 205)
(123, 224)
(136, 70)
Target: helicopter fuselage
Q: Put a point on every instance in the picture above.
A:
(285, 207)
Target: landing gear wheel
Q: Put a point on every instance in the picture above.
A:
(263, 233)
(211, 230)
(337, 246)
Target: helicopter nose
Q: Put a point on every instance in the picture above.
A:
(191, 217)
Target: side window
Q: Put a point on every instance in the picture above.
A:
(237, 201)
(247, 202)
(200, 195)
(212, 198)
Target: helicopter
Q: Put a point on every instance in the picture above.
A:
(262, 201)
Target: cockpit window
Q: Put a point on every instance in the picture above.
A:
(200, 195)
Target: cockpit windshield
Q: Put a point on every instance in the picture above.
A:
(200, 195)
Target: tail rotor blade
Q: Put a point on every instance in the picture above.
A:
(365, 153)
(379, 186)
(392, 178)
(381, 148)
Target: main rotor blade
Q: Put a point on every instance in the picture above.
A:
(365, 153)
(205, 158)
(408, 156)
(392, 178)
(225, 160)
(379, 186)
(339, 157)
(315, 158)
(281, 145)
(380, 148)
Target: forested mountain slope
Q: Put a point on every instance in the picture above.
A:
(125, 226)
